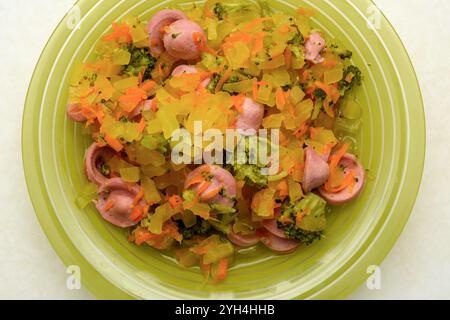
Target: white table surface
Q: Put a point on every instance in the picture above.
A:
(418, 265)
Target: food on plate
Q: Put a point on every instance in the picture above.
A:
(231, 65)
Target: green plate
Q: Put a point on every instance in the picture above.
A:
(391, 145)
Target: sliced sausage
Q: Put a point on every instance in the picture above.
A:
(179, 40)
(95, 157)
(116, 202)
(271, 225)
(75, 113)
(218, 179)
(243, 240)
(251, 116)
(184, 69)
(313, 47)
(351, 165)
(156, 26)
(188, 69)
(278, 244)
(316, 170)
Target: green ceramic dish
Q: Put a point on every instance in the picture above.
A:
(391, 144)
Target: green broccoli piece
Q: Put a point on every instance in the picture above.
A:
(297, 40)
(347, 54)
(344, 86)
(141, 59)
(202, 227)
(313, 223)
(305, 237)
(342, 53)
(213, 84)
(320, 94)
(223, 9)
(251, 174)
(220, 10)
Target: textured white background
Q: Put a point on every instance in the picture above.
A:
(417, 267)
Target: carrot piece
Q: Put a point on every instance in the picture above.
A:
(119, 32)
(195, 180)
(255, 89)
(222, 270)
(252, 24)
(148, 85)
(175, 201)
(280, 99)
(238, 102)
(136, 213)
(288, 57)
(205, 185)
(224, 79)
(258, 45)
(334, 163)
(138, 197)
(141, 125)
(109, 205)
(283, 189)
(142, 237)
(114, 143)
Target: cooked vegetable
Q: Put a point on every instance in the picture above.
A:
(304, 220)
(140, 61)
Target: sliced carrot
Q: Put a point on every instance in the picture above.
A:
(202, 188)
(195, 180)
(109, 205)
(138, 197)
(224, 79)
(255, 89)
(280, 99)
(288, 57)
(141, 125)
(120, 32)
(238, 102)
(252, 24)
(114, 143)
(258, 45)
(334, 164)
(148, 85)
(136, 213)
(154, 105)
(175, 201)
(222, 270)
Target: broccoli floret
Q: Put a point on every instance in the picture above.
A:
(342, 53)
(233, 79)
(213, 84)
(297, 40)
(140, 59)
(320, 94)
(344, 86)
(312, 224)
(347, 54)
(220, 11)
(202, 227)
(305, 237)
(251, 174)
